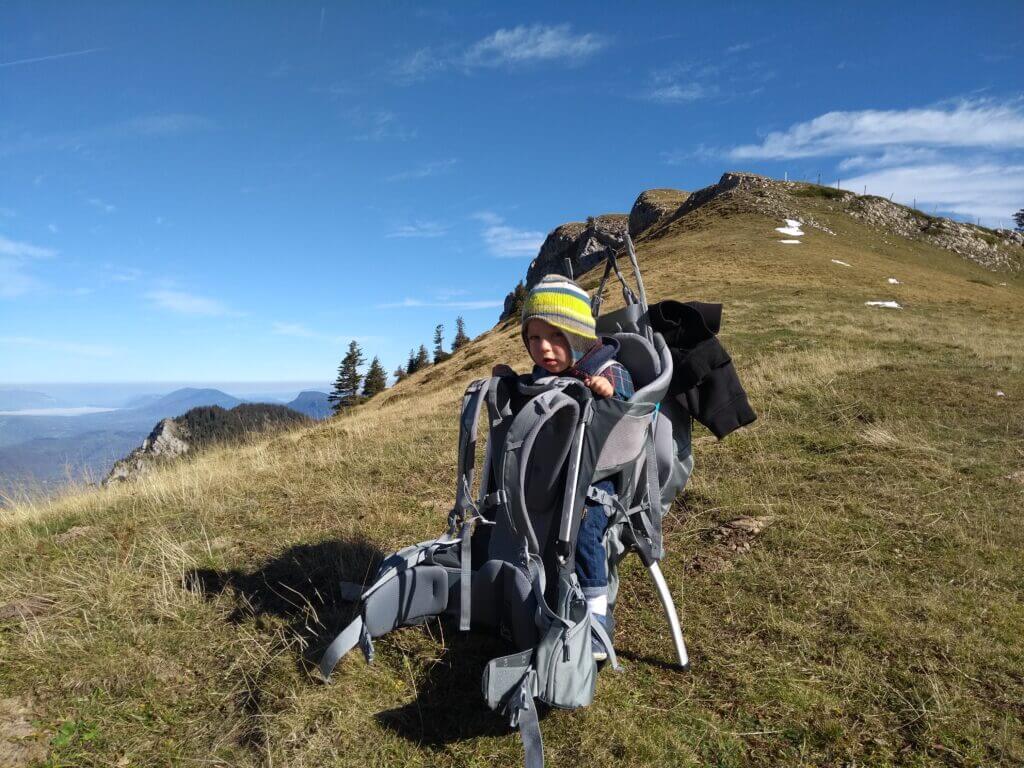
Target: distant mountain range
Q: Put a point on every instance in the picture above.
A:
(43, 452)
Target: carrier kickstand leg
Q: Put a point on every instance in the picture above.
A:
(670, 614)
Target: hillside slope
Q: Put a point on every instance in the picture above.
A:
(877, 621)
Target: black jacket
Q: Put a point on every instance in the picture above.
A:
(704, 380)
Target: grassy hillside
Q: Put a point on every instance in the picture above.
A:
(876, 621)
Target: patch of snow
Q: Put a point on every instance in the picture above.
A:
(792, 228)
(893, 281)
(790, 242)
(1000, 393)
(885, 304)
(1002, 283)
(841, 263)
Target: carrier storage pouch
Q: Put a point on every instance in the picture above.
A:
(503, 676)
(566, 671)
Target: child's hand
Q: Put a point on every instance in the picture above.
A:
(502, 370)
(599, 385)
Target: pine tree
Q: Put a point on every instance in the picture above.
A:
(518, 300)
(376, 379)
(422, 357)
(1019, 218)
(346, 386)
(461, 339)
(411, 365)
(399, 373)
(439, 354)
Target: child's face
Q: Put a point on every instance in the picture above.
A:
(548, 346)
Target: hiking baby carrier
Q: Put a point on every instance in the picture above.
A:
(506, 560)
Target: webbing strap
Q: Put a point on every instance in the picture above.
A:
(465, 576)
(472, 401)
(522, 714)
(355, 633)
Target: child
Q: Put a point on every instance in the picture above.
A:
(559, 333)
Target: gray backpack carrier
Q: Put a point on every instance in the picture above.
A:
(506, 562)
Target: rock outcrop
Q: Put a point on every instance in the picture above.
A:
(653, 206)
(574, 248)
(168, 440)
(201, 427)
(996, 249)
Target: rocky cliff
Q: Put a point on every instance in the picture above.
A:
(577, 247)
(199, 427)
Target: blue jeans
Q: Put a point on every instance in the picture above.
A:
(591, 558)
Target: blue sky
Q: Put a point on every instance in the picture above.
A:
(232, 191)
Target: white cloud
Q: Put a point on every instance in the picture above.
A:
(106, 207)
(966, 124)
(22, 250)
(891, 156)
(534, 43)
(991, 191)
(170, 124)
(188, 303)
(419, 229)
(517, 46)
(68, 347)
(424, 170)
(507, 242)
(739, 47)
(405, 303)
(379, 126)
(14, 281)
(679, 93)
(293, 329)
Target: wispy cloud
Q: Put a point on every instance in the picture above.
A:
(739, 47)
(23, 250)
(419, 229)
(15, 255)
(507, 242)
(973, 189)
(964, 124)
(102, 205)
(171, 124)
(151, 126)
(300, 331)
(379, 126)
(189, 303)
(66, 347)
(14, 280)
(537, 42)
(467, 305)
(683, 83)
(889, 157)
(504, 48)
(425, 170)
(49, 57)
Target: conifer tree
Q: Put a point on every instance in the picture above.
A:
(518, 300)
(461, 339)
(439, 354)
(376, 379)
(422, 357)
(411, 365)
(346, 386)
(1019, 218)
(399, 373)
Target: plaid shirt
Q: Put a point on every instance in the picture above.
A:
(621, 381)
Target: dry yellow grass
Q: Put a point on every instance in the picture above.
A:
(878, 622)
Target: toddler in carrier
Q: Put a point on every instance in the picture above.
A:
(559, 333)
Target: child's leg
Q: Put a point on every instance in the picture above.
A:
(591, 558)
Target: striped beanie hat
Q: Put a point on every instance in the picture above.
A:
(559, 301)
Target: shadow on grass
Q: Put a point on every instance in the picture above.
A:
(301, 585)
(449, 705)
